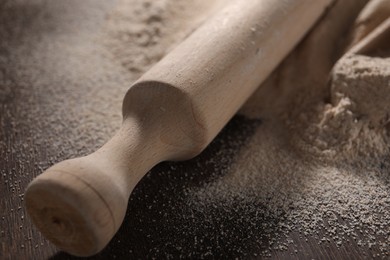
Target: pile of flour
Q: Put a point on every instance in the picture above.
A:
(319, 162)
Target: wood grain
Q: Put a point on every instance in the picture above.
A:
(154, 225)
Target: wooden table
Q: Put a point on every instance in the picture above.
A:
(47, 115)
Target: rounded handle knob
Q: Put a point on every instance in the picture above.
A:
(76, 206)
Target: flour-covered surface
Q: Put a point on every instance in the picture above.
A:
(303, 172)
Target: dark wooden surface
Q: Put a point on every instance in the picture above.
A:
(159, 223)
(43, 122)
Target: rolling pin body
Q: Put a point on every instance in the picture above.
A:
(171, 113)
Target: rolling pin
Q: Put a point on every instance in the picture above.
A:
(171, 113)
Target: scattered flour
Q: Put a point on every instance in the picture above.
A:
(140, 33)
(316, 166)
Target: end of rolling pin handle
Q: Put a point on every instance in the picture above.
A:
(76, 206)
(79, 204)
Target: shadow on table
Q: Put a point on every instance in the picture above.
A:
(161, 222)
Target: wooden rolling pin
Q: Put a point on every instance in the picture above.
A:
(171, 113)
